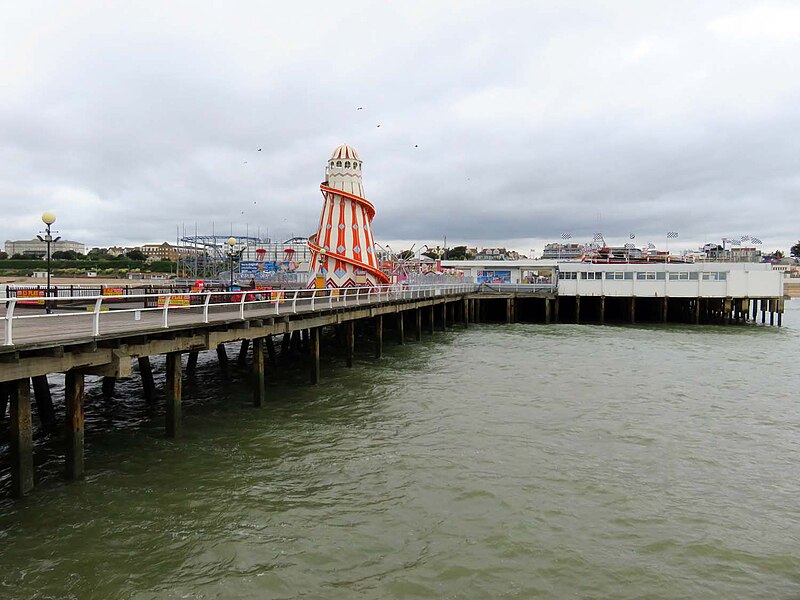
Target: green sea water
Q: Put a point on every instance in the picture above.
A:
(500, 461)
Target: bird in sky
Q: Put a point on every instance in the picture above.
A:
(259, 149)
(416, 145)
(245, 162)
(360, 108)
(378, 125)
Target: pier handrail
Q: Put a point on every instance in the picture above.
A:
(175, 308)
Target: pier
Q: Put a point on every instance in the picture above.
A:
(102, 335)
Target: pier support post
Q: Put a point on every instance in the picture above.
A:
(771, 312)
(465, 312)
(602, 310)
(313, 352)
(349, 341)
(243, 353)
(754, 303)
(146, 373)
(259, 384)
(577, 309)
(763, 311)
(268, 342)
(21, 438)
(73, 399)
(109, 383)
(664, 309)
(697, 311)
(44, 402)
(509, 309)
(173, 393)
(378, 336)
(556, 302)
(431, 319)
(444, 316)
(4, 393)
(285, 345)
(222, 356)
(780, 311)
(418, 324)
(633, 309)
(400, 329)
(191, 362)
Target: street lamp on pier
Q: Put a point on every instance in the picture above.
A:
(48, 218)
(231, 253)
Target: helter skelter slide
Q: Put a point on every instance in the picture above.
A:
(343, 249)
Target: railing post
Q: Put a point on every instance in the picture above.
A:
(313, 296)
(96, 315)
(241, 305)
(277, 304)
(12, 302)
(166, 310)
(205, 307)
(330, 296)
(294, 302)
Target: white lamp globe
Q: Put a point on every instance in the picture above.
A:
(48, 218)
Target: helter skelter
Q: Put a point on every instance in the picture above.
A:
(343, 249)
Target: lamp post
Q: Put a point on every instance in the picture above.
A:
(48, 218)
(231, 252)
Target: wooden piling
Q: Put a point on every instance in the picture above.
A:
(509, 309)
(577, 309)
(664, 309)
(633, 309)
(763, 311)
(313, 352)
(444, 315)
(243, 353)
(286, 342)
(431, 319)
(378, 336)
(772, 312)
(222, 356)
(349, 341)
(602, 310)
(4, 393)
(146, 373)
(44, 402)
(548, 310)
(21, 438)
(173, 390)
(259, 383)
(418, 324)
(400, 328)
(191, 362)
(270, 344)
(74, 423)
(108, 385)
(555, 309)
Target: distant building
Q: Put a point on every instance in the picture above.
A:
(167, 251)
(120, 250)
(496, 254)
(38, 249)
(556, 251)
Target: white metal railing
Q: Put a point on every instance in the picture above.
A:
(173, 308)
(518, 287)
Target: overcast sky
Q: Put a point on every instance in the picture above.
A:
(487, 122)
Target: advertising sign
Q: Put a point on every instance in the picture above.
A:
(494, 277)
(30, 294)
(177, 301)
(257, 270)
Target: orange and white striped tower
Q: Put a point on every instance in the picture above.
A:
(343, 249)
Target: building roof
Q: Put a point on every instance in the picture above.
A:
(345, 151)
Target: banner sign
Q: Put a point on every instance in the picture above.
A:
(494, 277)
(257, 270)
(177, 301)
(30, 294)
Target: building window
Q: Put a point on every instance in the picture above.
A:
(679, 276)
(347, 164)
(568, 275)
(591, 276)
(645, 276)
(338, 163)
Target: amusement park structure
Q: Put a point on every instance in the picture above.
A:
(252, 258)
(343, 248)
